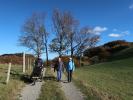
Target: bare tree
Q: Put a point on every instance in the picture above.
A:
(45, 38)
(85, 39)
(71, 30)
(34, 35)
(68, 37)
(46, 46)
(79, 40)
(59, 43)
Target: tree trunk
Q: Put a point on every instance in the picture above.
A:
(71, 46)
(80, 61)
(60, 52)
(46, 55)
(46, 50)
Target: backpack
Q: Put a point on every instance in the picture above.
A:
(38, 63)
(56, 67)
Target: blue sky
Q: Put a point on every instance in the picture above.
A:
(112, 19)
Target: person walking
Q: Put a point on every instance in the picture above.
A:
(70, 69)
(59, 67)
(37, 70)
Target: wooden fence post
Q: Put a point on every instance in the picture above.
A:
(8, 73)
(23, 62)
(28, 63)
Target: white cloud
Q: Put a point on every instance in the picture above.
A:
(115, 35)
(126, 33)
(120, 34)
(131, 7)
(98, 30)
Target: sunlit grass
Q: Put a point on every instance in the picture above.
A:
(11, 90)
(110, 80)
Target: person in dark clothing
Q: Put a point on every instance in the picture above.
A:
(59, 66)
(56, 65)
(38, 67)
(70, 69)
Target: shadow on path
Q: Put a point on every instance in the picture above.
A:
(26, 79)
(49, 78)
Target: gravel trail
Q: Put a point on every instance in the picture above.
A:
(70, 90)
(30, 91)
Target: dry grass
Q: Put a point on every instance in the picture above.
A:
(11, 90)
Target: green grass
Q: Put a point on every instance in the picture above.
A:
(10, 91)
(110, 80)
(51, 89)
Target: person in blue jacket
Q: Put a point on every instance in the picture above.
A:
(70, 69)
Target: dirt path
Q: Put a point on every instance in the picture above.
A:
(30, 91)
(70, 90)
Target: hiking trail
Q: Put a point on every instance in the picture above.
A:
(30, 91)
(70, 90)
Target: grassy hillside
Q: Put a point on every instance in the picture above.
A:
(110, 80)
(113, 50)
(10, 91)
(126, 53)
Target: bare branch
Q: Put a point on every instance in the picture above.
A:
(33, 33)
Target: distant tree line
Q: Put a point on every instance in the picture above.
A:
(15, 58)
(92, 55)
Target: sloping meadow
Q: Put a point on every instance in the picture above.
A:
(107, 81)
(11, 90)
